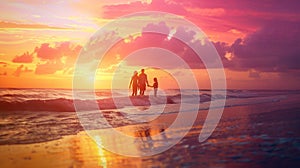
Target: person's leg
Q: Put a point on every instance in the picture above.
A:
(134, 91)
(155, 92)
(142, 89)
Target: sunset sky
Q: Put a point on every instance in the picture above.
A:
(258, 41)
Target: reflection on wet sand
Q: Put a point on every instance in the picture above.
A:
(145, 137)
(84, 152)
(71, 151)
(135, 140)
(88, 152)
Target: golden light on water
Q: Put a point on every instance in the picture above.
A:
(102, 160)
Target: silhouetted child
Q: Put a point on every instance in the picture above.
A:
(155, 86)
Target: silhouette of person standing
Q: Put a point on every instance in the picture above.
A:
(142, 81)
(134, 83)
(155, 86)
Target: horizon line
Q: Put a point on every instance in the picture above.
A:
(203, 89)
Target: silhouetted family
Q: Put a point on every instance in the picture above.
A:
(139, 82)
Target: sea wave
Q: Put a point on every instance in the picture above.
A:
(63, 101)
(67, 105)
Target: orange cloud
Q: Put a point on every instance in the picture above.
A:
(207, 11)
(21, 69)
(49, 67)
(61, 56)
(25, 58)
(4, 64)
(5, 25)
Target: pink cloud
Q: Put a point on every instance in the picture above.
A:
(59, 50)
(272, 48)
(113, 11)
(46, 52)
(207, 11)
(216, 17)
(61, 56)
(25, 58)
(174, 45)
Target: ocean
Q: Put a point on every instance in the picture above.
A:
(35, 116)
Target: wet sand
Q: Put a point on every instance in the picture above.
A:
(261, 135)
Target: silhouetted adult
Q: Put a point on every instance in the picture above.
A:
(134, 83)
(143, 81)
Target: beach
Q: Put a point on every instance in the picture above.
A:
(254, 131)
(149, 84)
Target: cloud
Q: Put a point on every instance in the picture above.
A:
(5, 25)
(207, 11)
(50, 67)
(34, 2)
(57, 51)
(46, 52)
(113, 11)
(21, 69)
(4, 64)
(50, 57)
(18, 71)
(60, 56)
(274, 48)
(214, 20)
(215, 17)
(165, 41)
(25, 58)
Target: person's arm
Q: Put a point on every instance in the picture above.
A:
(147, 80)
